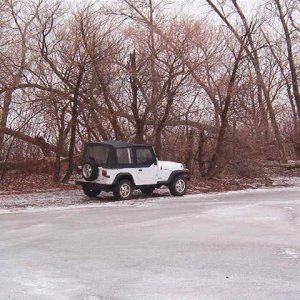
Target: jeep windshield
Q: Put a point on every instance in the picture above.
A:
(98, 153)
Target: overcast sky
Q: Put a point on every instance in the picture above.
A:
(200, 7)
(193, 7)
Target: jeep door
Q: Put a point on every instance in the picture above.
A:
(146, 164)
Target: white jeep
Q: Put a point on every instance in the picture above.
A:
(121, 167)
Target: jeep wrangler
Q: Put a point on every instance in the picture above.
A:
(121, 167)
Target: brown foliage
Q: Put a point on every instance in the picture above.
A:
(135, 72)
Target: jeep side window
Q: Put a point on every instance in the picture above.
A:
(124, 156)
(144, 156)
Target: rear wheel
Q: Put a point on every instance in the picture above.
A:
(123, 190)
(91, 191)
(178, 186)
(147, 190)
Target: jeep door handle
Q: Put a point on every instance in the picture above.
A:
(140, 170)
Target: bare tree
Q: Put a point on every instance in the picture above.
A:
(252, 52)
(284, 17)
(21, 28)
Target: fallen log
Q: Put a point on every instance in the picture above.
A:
(289, 165)
(37, 141)
(30, 166)
(39, 165)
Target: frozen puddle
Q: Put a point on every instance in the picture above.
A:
(246, 213)
(290, 253)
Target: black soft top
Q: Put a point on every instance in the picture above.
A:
(106, 153)
(119, 144)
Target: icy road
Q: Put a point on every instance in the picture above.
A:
(239, 245)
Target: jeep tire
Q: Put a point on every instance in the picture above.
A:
(178, 186)
(147, 190)
(90, 170)
(123, 190)
(91, 191)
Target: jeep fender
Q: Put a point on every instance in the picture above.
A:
(178, 172)
(122, 176)
(184, 172)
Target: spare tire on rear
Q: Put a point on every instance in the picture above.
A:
(90, 170)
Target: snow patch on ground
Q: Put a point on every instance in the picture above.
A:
(290, 253)
(75, 199)
(71, 199)
(286, 181)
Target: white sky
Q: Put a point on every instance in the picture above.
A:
(200, 7)
(193, 7)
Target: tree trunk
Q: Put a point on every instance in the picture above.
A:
(139, 124)
(73, 127)
(214, 163)
(57, 164)
(189, 150)
(4, 117)
(200, 154)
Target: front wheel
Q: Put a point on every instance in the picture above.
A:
(178, 186)
(91, 191)
(123, 190)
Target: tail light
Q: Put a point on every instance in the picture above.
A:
(104, 173)
(78, 170)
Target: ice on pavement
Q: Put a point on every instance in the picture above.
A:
(290, 253)
(238, 245)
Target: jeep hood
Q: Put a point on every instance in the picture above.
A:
(169, 165)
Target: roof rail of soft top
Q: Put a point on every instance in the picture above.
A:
(119, 144)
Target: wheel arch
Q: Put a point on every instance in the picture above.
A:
(122, 176)
(185, 173)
